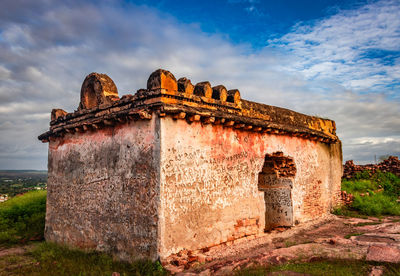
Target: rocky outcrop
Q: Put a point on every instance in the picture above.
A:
(392, 164)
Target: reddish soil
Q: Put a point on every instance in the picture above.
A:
(329, 238)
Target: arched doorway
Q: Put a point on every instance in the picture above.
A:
(276, 180)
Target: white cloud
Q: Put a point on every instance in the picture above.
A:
(44, 63)
(350, 46)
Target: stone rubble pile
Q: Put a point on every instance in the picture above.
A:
(392, 164)
(347, 198)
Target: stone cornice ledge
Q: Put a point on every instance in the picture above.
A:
(101, 107)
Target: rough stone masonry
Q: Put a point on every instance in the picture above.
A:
(179, 166)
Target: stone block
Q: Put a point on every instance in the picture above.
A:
(382, 253)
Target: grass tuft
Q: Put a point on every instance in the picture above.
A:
(348, 236)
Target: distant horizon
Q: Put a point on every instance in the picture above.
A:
(42, 170)
(25, 170)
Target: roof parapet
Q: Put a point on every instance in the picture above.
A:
(101, 107)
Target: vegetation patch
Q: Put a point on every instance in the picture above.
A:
(376, 205)
(290, 243)
(348, 236)
(22, 218)
(374, 195)
(51, 259)
(367, 223)
(347, 212)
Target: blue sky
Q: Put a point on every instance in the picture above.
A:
(335, 59)
(249, 21)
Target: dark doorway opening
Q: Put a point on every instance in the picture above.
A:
(276, 180)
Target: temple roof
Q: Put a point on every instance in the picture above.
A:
(101, 107)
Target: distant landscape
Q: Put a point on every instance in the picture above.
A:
(14, 182)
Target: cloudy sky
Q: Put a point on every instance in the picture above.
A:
(335, 59)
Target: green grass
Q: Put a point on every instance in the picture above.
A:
(345, 211)
(51, 259)
(22, 218)
(369, 198)
(325, 267)
(367, 223)
(290, 243)
(348, 236)
(359, 186)
(376, 205)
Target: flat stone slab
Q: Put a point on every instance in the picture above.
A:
(375, 238)
(381, 253)
(383, 239)
(355, 221)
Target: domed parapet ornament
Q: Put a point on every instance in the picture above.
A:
(57, 113)
(97, 89)
(233, 96)
(185, 86)
(220, 93)
(203, 89)
(162, 79)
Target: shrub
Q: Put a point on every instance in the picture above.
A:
(368, 198)
(362, 175)
(376, 205)
(389, 182)
(22, 218)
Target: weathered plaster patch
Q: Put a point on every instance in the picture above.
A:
(103, 190)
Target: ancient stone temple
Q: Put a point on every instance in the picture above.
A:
(181, 166)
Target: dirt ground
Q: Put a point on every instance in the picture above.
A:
(332, 237)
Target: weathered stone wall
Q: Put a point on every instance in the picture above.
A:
(103, 189)
(209, 182)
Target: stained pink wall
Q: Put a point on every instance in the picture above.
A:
(103, 190)
(209, 182)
